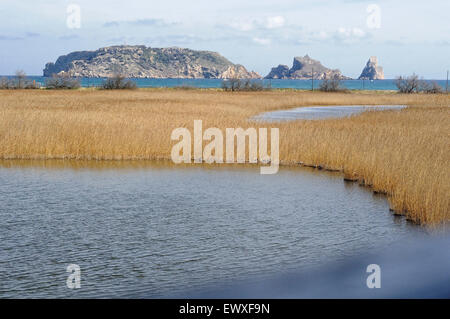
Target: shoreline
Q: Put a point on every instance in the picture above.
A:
(401, 154)
(166, 162)
(219, 89)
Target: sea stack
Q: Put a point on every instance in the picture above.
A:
(302, 68)
(372, 71)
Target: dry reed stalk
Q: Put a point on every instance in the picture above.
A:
(404, 154)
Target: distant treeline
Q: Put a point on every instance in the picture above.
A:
(405, 84)
(62, 81)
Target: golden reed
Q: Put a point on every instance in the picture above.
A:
(404, 154)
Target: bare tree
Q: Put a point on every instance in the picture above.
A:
(410, 84)
(21, 79)
(331, 85)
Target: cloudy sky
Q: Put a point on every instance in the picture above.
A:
(406, 35)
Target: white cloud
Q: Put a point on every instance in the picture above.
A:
(243, 25)
(275, 22)
(262, 41)
(272, 22)
(350, 32)
(140, 23)
(339, 36)
(321, 35)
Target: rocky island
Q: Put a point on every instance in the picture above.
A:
(302, 68)
(144, 62)
(372, 71)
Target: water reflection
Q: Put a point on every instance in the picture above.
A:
(154, 229)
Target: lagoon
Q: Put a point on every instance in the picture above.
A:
(155, 229)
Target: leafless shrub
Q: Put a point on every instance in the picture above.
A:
(118, 82)
(235, 84)
(20, 81)
(412, 84)
(62, 81)
(232, 84)
(430, 87)
(5, 84)
(331, 85)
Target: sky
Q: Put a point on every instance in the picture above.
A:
(406, 35)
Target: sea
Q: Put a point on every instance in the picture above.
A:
(383, 85)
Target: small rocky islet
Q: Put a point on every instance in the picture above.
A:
(372, 71)
(303, 68)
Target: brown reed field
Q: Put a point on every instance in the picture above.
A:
(404, 154)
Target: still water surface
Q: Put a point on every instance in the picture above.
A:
(157, 230)
(322, 112)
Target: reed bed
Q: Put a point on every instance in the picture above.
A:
(404, 154)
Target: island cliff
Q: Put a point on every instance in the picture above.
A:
(145, 62)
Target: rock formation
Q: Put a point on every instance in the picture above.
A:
(279, 72)
(372, 71)
(302, 68)
(145, 62)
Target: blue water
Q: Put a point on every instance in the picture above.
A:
(154, 229)
(217, 83)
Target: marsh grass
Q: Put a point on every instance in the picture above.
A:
(404, 154)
